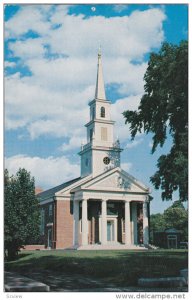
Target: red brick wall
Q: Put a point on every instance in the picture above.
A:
(33, 247)
(64, 224)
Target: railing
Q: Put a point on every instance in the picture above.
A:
(116, 144)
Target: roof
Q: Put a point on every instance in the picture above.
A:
(51, 192)
(109, 172)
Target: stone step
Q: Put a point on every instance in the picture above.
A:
(184, 273)
(16, 283)
(112, 247)
(162, 282)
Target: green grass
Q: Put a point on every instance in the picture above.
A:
(117, 267)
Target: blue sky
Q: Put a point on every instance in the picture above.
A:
(50, 76)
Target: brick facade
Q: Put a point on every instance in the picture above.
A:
(64, 224)
(58, 224)
(33, 247)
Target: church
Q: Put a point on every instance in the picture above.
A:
(104, 208)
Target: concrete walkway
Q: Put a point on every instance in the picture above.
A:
(16, 283)
(166, 282)
(65, 283)
(112, 246)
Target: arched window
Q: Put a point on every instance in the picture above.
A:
(103, 112)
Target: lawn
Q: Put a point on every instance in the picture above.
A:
(81, 269)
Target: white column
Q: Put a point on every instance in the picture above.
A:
(104, 222)
(127, 223)
(76, 223)
(134, 218)
(84, 223)
(145, 224)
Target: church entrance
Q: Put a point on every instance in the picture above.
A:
(110, 231)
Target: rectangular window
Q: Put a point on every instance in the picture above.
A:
(103, 133)
(42, 224)
(50, 210)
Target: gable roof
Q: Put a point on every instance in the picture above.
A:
(87, 182)
(51, 192)
(109, 181)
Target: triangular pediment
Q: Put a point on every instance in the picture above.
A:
(115, 180)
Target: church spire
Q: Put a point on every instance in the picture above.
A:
(100, 89)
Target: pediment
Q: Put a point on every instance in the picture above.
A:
(117, 180)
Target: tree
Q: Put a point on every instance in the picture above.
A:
(22, 217)
(157, 222)
(163, 111)
(176, 216)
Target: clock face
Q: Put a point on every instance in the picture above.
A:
(106, 160)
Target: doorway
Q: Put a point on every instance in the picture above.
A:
(172, 242)
(110, 231)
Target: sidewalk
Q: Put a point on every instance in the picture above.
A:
(16, 283)
(75, 283)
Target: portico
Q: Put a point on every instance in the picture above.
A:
(116, 219)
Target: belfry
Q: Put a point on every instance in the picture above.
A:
(104, 208)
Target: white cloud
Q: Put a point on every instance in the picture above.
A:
(120, 7)
(29, 48)
(134, 144)
(48, 172)
(150, 145)
(74, 143)
(126, 166)
(29, 17)
(129, 36)
(9, 64)
(121, 105)
(53, 100)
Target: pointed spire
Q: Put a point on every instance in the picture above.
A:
(100, 89)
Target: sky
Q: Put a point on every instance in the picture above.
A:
(50, 60)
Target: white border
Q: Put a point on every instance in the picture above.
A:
(86, 295)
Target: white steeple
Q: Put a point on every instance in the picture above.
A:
(100, 89)
(100, 153)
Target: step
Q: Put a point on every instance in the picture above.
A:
(162, 282)
(184, 273)
(17, 283)
(112, 246)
